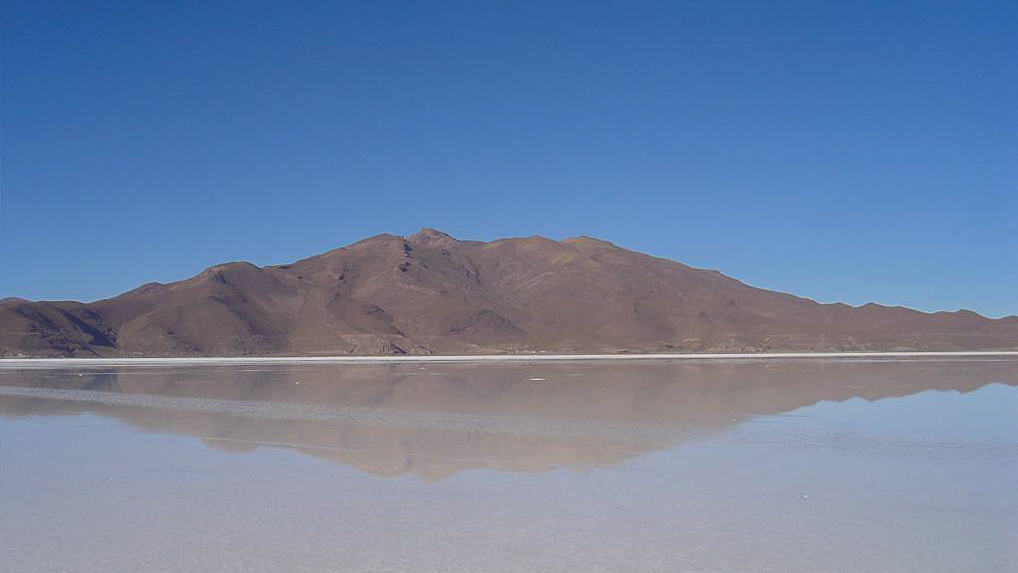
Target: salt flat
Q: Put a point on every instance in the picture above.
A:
(904, 463)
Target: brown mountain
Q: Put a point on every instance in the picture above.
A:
(431, 293)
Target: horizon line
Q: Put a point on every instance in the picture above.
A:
(14, 363)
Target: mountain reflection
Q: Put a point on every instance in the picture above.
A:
(434, 420)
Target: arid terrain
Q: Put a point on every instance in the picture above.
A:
(433, 294)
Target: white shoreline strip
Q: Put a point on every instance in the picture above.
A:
(182, 361)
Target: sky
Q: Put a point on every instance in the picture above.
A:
(843, 151)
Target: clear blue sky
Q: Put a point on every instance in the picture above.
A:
(852, 151)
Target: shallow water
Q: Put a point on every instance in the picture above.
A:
(741, 465)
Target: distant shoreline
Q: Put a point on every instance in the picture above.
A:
(242, 360)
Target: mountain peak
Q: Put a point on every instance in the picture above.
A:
(586, 239)
(429, 236)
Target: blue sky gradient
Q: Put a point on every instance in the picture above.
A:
(849, 151)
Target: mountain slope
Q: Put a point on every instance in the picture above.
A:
(431, 293)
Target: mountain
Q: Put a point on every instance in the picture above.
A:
(431, 293)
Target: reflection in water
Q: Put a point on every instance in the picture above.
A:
(432, 421)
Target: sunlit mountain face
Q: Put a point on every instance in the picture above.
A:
(432, 294)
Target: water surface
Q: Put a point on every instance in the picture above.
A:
(742, 465)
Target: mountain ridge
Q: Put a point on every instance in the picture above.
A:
(430, 293)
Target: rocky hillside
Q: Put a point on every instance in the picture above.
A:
(431, 293)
